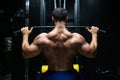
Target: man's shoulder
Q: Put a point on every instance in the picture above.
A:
(75, 34)
(43, 34)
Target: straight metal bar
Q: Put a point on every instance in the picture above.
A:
(41, 27)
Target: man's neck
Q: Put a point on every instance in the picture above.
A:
(59, 24)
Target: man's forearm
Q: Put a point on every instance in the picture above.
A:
(25, 42)
(94, 43)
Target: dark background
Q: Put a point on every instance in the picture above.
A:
(102, 13)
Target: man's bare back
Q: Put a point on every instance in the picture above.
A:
(59, 47)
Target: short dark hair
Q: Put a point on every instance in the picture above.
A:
(60, 14)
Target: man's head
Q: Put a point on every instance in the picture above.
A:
(60, 14)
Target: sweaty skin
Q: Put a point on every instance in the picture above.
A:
(59, 46)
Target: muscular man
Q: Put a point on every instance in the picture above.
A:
(59, 47)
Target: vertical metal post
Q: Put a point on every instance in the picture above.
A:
(27, 24)
(64, 5)
(77, 12)
(55, 4)
(27, 13)
(42, 12)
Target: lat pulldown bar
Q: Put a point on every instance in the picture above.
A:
(41, 27)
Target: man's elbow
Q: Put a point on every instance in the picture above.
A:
(93, 52)
(92, 55)
(26, 55)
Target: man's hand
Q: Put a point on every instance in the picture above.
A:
(93, 29)
(25, 30)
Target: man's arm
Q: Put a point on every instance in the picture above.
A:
(89, 49)
(29, 50)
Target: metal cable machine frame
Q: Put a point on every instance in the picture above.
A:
(60, 4)
(77, 12)
(42, 13)
(27, 3)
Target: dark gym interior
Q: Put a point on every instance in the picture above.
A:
(15, 14)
